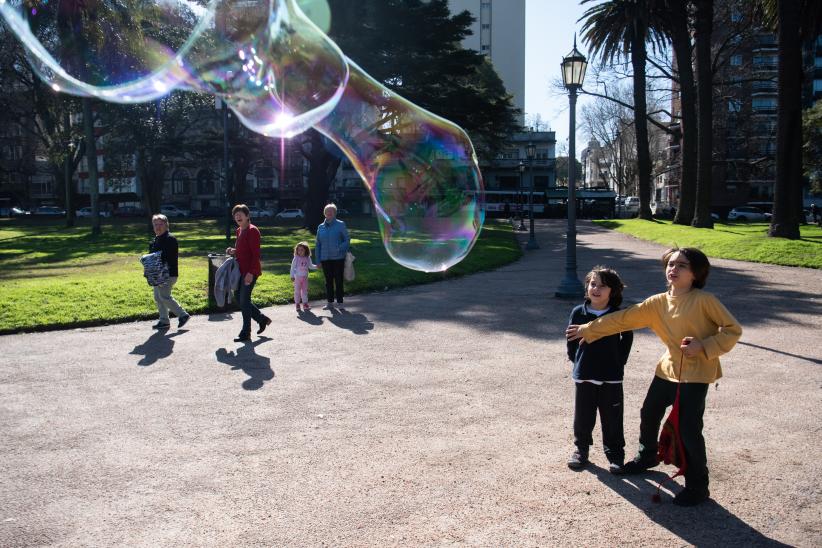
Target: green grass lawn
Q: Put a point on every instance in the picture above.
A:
(741, 241)
(51, 276)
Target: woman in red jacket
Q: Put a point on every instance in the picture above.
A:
(246, 251)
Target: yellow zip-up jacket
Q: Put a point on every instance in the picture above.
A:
(695, 314)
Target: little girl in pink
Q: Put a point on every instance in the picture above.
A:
(299, 273)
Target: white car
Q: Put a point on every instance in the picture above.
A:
(171, 210)
(259, 213)
(747, 213)
(290, 214)
(86, 212)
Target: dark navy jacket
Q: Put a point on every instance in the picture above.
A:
(603, 360)
(167, 244)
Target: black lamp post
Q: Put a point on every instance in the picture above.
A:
(519, 197)
(573, 74)
(531, 153)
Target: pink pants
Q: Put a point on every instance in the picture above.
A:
(301, 289)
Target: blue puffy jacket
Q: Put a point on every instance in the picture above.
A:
(332, 241)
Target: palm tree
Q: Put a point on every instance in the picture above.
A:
(796, 21)
(703, 28)
(620, 29)
(673, 17)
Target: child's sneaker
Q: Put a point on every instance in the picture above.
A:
(306, 307)
(298, 307)
(578, 460)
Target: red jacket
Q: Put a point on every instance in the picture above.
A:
(247, 251)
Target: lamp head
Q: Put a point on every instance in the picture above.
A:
(573, 68)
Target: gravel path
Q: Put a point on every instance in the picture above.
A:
(439, 414)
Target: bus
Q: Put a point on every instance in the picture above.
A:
(495, 201)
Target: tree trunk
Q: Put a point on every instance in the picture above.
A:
(704, 182)
(788, 186)
(681, 42)
(91, 156)
(643, 155)
(323, 167)
(150, 183)
(67, 172)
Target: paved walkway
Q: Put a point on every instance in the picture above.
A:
(432, 415)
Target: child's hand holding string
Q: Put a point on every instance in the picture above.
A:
(691, 347)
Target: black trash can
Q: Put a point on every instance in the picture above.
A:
(215, 260)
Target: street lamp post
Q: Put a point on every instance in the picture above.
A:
(530, 153)
(573, 74)
(519, 197)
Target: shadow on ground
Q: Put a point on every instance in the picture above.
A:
(158, 346)
(246, 359)
(708, 524)
(537, 275)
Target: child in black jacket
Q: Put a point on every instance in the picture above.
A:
(598, 370)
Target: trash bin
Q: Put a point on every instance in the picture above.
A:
(215, 260)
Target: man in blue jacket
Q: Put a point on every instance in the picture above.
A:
(331, 247)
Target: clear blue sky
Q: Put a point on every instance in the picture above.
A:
(549, 35)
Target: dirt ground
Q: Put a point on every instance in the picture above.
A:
(434, 415)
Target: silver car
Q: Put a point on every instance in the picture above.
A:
(747, 213)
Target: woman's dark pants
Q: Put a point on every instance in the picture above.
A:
(661, 394)
(333, 271)
(243, 296)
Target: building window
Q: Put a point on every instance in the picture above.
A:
(181, 182)
(765, 61)
(736, 60)
(205, 182)
(817, 86)
(764, 104)
(485, 47)
(817, 62)
(486, 26)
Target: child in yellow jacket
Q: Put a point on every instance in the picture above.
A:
(696, 329)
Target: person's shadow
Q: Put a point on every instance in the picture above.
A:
(258, 368)
(158, 346)
(356, 323)
(708, 524)
(309, 317)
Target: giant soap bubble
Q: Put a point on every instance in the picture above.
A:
(280, 74)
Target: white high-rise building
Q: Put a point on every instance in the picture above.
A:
(499, 32)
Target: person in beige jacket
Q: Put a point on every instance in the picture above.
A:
(696, 329)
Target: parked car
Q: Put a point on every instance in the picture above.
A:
(86, 212)
(258, 213)
(18, 212)
(129, 211)
(747, 213)
(171, 210)
(51, 211)
(290, 214)
(208, 213)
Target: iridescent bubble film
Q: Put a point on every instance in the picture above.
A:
(421, 171)
(280, 74)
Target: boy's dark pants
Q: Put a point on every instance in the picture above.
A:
(333, 271)
(661, 394)
(608, 399)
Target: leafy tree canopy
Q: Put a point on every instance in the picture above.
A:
(413, 47)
